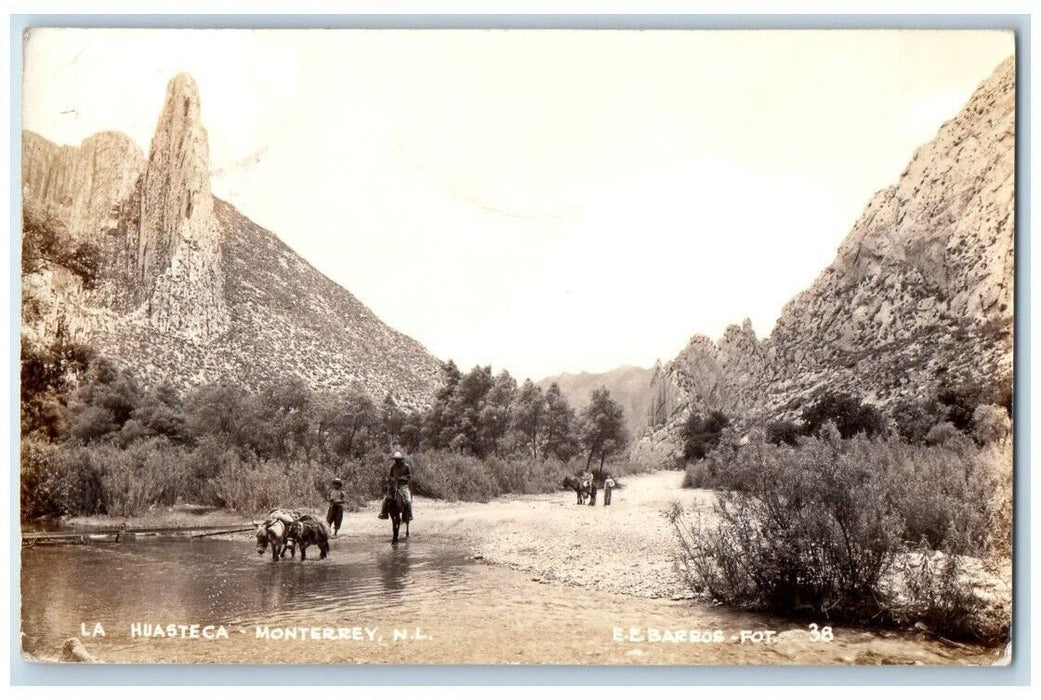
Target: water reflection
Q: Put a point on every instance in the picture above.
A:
(395, 567)
(223, 582)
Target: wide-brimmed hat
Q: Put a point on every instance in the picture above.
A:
(398, 455)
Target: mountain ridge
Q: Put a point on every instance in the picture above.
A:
(189, 290)
(919, 295)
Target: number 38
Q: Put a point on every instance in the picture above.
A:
(820, 634)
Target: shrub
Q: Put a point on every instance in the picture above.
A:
(56, 482)
(149, 473)
(850, 415)
(941, 597)
(820, 528)
(959, 402)
(701, 433)
(260, 486)
(783, 431)
(913, 419)
(809, 533)
(990, 423)
(942, 433)
(701, 475)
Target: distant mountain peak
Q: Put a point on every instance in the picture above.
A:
(189, 290)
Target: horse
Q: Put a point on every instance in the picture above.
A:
(398, 512)
(308, 530)
(274, 533)
(583, 488)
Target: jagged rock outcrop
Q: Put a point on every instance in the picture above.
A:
(180, 266)
(920, 293)
(188, 289)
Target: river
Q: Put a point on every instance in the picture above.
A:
(422, 601)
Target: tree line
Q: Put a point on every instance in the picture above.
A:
(74, 399)
(963, 408)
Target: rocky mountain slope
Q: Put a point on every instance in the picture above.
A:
(920, 294)
(630, 386)
(188, 289)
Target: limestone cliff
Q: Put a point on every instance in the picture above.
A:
(180, 266)
(188, 289)
(920, 292)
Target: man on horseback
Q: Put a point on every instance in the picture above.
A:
(398, 487)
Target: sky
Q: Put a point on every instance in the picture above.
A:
(542, 201)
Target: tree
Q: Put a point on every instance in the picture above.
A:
(960, 399)
(784, 431)
(527, 416)
(495, 413)
(439, 423)
(850, 415)
(48, 373)
(228, 412)
(990, 423)
(603, 428)
(344, 423)
(161, 413)
(559, 437)
(463, 430)
(914, 419)
(701, 433)
(392, 420)
(104, 403)
(287, 406)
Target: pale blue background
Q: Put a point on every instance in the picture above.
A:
(23, 673)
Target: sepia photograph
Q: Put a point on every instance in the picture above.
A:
(587, 347)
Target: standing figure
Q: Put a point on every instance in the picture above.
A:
(608, 487)
(334, 516)
(588, 477)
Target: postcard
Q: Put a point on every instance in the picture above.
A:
(517, 346)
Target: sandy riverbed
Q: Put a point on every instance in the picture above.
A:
(628, 547)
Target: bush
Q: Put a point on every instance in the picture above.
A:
(848, 413)
(914, 419)
(940, 597)
(990, 424)
(783, 431)
(701, 433)
(959, 402)
(942, 433)
(258, 487)
(149, 473)
(818, 528)
(701, 475)
(455, 476)
(56, 482)
(808, 534)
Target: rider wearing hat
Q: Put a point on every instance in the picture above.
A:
(336, 499)
(398, 481)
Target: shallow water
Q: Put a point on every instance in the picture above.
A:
(225, 582)
(451, 609)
